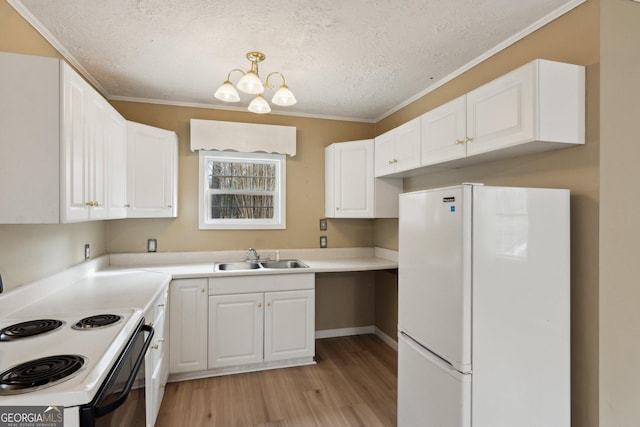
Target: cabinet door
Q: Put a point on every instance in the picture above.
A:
(407, 145)
(354, 179)
(152, 159)
(74, 197)
(188, 325)
(235, 329)
(501, 113)
(97, 155)
(384, 163)
(289, 328)
(117, 163)
(444, 130)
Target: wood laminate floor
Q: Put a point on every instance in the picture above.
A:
(354, 383)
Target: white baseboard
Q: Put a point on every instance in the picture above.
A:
(387, 339)
(345, 332)
(360, 330)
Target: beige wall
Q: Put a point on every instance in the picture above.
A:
(619, 207)
(28, 253)
(601, 34)
(305, 188)
(572, 38)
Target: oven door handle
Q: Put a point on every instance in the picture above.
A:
(103, 410)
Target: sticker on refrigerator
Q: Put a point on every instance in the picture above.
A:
(452, 208)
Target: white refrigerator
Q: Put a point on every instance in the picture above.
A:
(483, 313)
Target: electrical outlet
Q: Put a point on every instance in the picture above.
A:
(152, 245)
(323, 224)
(87, 252)
(323, 241)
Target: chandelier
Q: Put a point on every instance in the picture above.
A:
(250, 83)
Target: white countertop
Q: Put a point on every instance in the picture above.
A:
(102, 291)
(135, 280)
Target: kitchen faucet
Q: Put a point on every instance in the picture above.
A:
(256, 257)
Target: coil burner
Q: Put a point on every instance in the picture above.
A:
(97, 321)
(39, 373)
(29, 329)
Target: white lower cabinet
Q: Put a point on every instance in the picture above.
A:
(261, 321)
(228, 324)
(289, 325)
(188, 325)
(260, 327)
(157, 358)
(235, 329)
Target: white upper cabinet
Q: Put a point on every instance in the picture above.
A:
(351, 189)
(542, 101)
(398, 150)
(54, 143)
(444, 132)
(537, 107)
(116, 134)
(152, 185)
(84, 150)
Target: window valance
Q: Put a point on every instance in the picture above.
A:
(242, 137)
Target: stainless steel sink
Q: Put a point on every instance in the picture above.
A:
(285, 263)
(259, 265)
(236, 266)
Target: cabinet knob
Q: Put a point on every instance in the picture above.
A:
(88, 203)
(395, 160)
(169, 206)
(155, 346)
(202, 290)
(259, 305)
(163, 385)
(468, 139)
(390, 162)
(268, 304)
(459, 141)
(96, 203)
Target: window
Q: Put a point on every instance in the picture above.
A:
(242, 190)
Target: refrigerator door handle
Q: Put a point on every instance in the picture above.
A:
(429, 355)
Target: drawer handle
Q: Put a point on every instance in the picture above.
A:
(459, 141)
(468, 139)
(160, 305)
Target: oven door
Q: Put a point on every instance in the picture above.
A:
(118, 403)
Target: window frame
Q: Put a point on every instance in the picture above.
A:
(279, 204)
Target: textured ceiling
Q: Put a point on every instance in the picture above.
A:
(352, 59)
